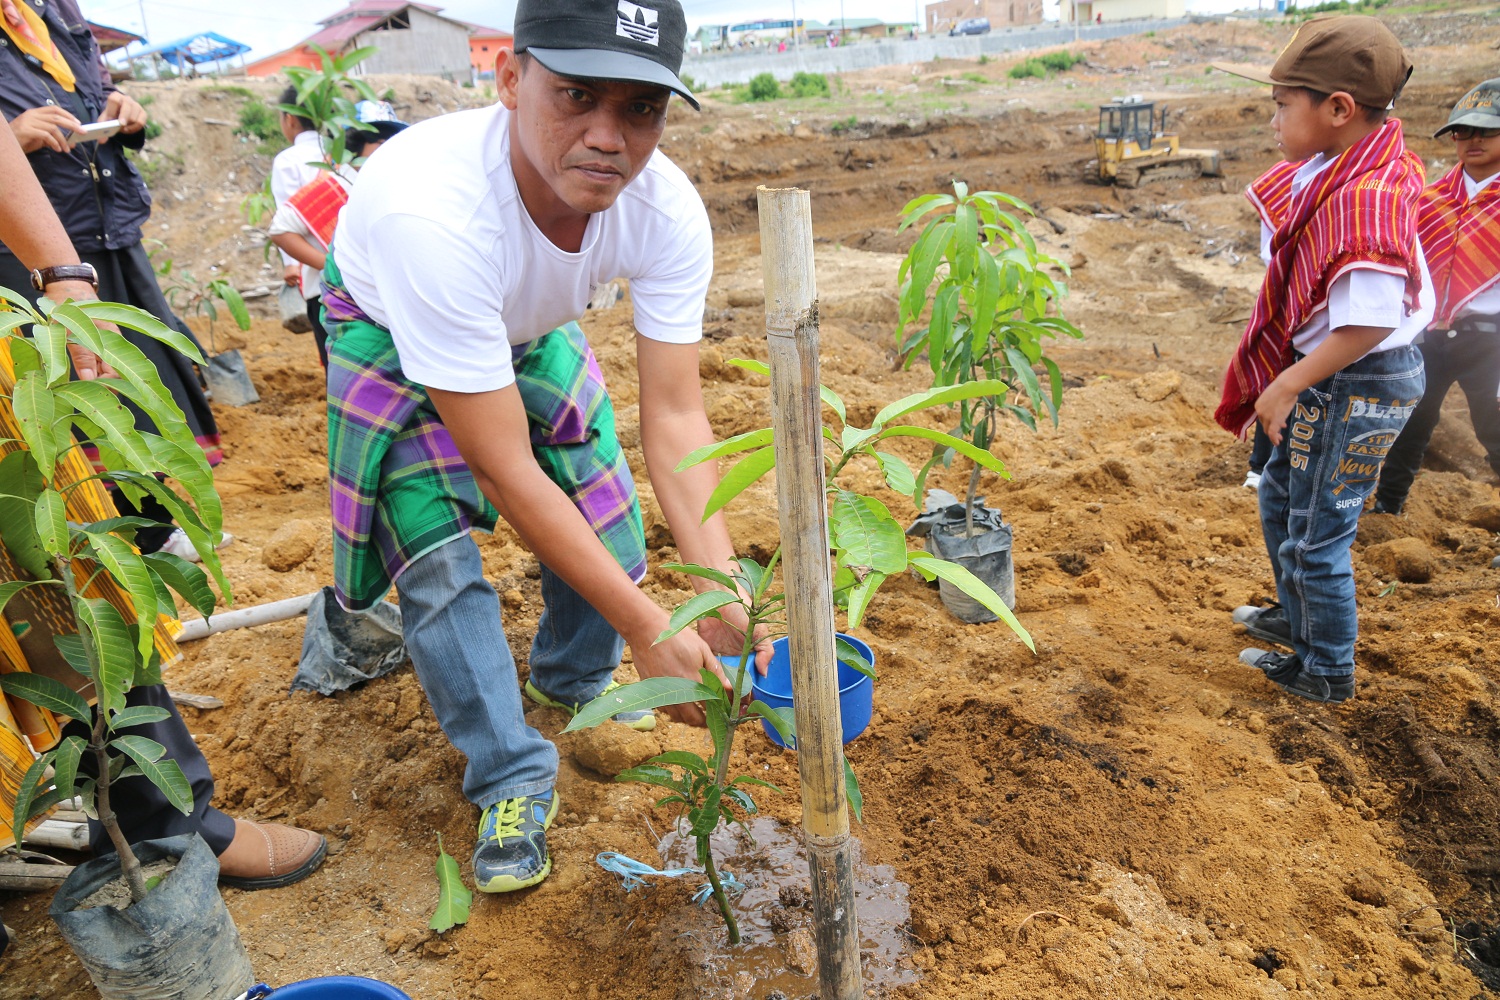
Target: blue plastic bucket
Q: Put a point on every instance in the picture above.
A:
(334, 988)
(856, 690)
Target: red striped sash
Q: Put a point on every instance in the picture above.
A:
(318, 204)
(1361, 210)
(1461, 239)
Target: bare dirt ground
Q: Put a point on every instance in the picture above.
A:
(1127, 813)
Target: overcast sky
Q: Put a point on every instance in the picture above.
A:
(269, 26)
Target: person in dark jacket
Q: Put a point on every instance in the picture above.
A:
(52, 80)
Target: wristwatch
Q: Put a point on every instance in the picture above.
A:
(44, 276)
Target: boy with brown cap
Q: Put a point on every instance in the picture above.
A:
(1326, 364)
(1458, 221)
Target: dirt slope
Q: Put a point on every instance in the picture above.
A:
(1127, 813)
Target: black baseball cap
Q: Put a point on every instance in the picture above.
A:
(606, 40)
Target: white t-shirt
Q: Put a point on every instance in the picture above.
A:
(286, 220)
(1362, 296)
(436, 246)
(291, 170)
(1487, 302)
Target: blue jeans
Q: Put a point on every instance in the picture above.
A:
(450, 618)
(1314, 487)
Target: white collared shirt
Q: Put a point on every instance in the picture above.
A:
(293, 169)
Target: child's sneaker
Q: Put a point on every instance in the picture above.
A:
(1268, 623)
(512, 850)
(643, 720)
(1285, 671)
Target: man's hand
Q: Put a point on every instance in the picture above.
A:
(291, 274)
(683, 655)
(132, 116)
(86, 363)
(46, 127)
(727, 637)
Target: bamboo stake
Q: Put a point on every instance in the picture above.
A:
(796, 413)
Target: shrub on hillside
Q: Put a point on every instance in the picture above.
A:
(1045, 64)
(763, 87)
(809, 85)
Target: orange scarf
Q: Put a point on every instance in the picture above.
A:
(1361, 210)
(29, 33)
(1461, 239)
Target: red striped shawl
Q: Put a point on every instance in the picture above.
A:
(1461, 239)
(1359, 212)
(318, 204)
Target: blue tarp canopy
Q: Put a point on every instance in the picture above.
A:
(206, 46)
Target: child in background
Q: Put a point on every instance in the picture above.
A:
(1326, 364)
(303, 226)
(1458, 221)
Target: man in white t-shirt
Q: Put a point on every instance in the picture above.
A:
(458, 380)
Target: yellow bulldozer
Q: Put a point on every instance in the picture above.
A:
(1134, 146)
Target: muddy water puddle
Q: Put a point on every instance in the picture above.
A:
(776, 958)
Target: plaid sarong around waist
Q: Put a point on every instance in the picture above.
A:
(399, 486)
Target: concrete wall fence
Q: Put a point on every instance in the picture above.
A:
(717, 69)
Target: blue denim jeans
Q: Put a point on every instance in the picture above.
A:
(450, 618)
(1314, 487)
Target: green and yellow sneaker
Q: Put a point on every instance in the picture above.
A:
(643, 720)
(512, 850)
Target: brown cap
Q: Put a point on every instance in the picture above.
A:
(1353, 53)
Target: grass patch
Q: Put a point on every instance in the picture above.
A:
(809, 85)
(155, 165)
(1333, 6)
(762, 87)
(844, 125)
(1045, 65)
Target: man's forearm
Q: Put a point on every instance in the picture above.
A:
(28, 225)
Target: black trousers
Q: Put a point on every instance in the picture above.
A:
(144, 812)
(1472, 359)
(320, 335)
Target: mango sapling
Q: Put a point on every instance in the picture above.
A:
(993, 301)
(112, 652)
(870, 548)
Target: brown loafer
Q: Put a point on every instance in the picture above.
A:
(270, 855)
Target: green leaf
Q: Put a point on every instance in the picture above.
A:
(781, 719)
(36, 411)
(114, 648)
(683, 758)
(183, 577)
(48, 693)
(848, 653)
(52, 523)
(26, 793)
(70, 647)
(976, 455)
(698, 606)
(716, 715)
(138, 715)
(866, 534)
(718, 576)
(51, 340)
(22, 484)
(653, 692)
(130, 572)
(24, 356)
(142, 322)
(860, 595)
(834, 402)
(851, 789)
(164, 774)
(186, 518)
(729, 446)
(898, 475)
(745, 472)
(650, 774)
(746, 779)
(454, 898)
(9, 590)
(65, 765)
(937, 396)
(705, 819)
(103, 409)
(931, 566)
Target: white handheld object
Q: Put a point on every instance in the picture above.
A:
(94, 132)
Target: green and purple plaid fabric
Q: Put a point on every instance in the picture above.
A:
(398, 485)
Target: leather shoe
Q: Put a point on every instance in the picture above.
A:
(270, 855)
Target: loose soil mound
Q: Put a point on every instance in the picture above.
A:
(1128, 812)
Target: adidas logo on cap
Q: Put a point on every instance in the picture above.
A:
(637, 23)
